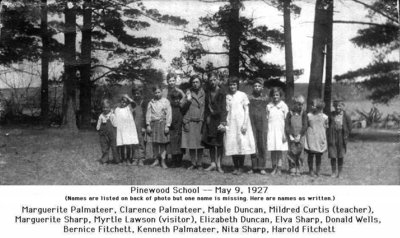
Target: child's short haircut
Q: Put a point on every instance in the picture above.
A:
(137, 89)
(276, 90)
(234, 80)
(318, 103)
(299, 99)
(338, 102)
(155, 87)
(106, 102)
(176, 95)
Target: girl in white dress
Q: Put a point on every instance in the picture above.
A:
(126, 129)
(276, 138)
(238, 139)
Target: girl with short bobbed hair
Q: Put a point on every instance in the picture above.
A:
(277, 111)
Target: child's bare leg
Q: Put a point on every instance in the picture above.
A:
(155, 154)
(218, 159)
(163, 153)
(193, 158)
(213, 156)
(279, 155)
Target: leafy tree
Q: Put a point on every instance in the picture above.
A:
(382, 75)
(25, 37)
(244, 44)
(109, 47)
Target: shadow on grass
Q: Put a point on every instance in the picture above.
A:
(375, 135)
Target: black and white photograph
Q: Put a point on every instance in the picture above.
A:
(199, 92)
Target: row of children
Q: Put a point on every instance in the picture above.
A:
(226, 122)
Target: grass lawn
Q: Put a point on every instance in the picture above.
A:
(50, 156)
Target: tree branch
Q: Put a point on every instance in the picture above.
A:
(200, 34)
(376, 10)
(102, 66)
(102, 76)
(358, 22)
(214, 53)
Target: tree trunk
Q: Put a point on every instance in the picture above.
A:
(288, 51)
(69, 100)
(234, 38)
(85, 94)
(329, 55)
(44, 92)
(317, 57)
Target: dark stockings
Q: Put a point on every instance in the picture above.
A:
(310, 160)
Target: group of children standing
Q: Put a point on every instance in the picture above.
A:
(226, 122)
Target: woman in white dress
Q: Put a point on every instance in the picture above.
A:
(126, 129)
(238, 139)
(276, 138)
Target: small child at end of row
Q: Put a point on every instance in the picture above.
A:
(338, 133)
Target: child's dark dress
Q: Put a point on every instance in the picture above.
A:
(338, 133)
(175, 131)
(259, 124)
(215, 108)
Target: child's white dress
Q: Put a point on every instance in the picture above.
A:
(126, 128)
(276, 126)
(235, 142)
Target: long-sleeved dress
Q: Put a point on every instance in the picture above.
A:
(235, 142)
(193, 121)
(159, 116)
(215, 109)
